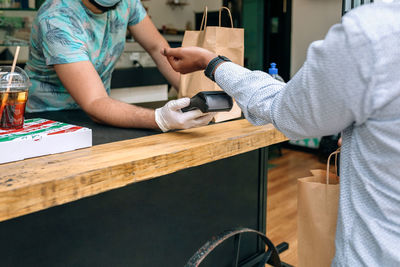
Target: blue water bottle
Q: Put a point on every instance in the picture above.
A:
(273, 71)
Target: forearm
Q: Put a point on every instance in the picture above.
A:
(163, 65)
(254, 91)
(109, 111)
(323, 98)
(311, 104)
(86, 88)
(299, 109)
(147, 35)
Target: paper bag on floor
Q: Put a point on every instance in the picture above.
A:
(224, 41)
(318, 197)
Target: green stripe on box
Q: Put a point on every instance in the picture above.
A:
(33, 120)
(16, 136)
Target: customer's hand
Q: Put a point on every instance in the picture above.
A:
(188, 59)
(171, 117)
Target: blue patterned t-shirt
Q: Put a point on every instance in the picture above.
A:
(66, 31)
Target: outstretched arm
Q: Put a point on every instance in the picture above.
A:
(328, 93)
(188, 59)
(85, 86)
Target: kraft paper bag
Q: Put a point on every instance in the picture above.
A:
(224, 41)
(318, 197)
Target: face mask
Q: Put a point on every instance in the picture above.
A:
(105, 5)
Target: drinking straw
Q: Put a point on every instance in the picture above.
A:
(13, 67)
(4, 100)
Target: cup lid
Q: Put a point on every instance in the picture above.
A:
(19, 79)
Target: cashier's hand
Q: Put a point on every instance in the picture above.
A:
(171, 117)
(188, 59)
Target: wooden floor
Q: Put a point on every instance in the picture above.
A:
(282, 198)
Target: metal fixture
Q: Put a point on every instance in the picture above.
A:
(347, 5)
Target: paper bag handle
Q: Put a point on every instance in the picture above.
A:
(204, 19)
(203, 24)
(327, 165)
(229, 13)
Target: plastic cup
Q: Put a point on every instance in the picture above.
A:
(14, 88)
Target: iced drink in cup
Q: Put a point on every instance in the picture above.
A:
(13, 96)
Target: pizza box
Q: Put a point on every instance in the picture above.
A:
(41, 137)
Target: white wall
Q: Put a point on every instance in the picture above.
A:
(311, 20)
(178, 17)
(213, 5)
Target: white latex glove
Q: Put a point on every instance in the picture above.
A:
(171, 117)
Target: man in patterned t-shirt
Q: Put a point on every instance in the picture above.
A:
(74, 47)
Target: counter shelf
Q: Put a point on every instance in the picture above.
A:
(137, 197)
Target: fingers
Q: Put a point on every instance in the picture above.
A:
(204, 120)
(172, 52)
(171, 55)
(187, 59)
(170, 116)
(198, 121)
(172, 62)
(179, 103)
(197, 117)
(193, 114)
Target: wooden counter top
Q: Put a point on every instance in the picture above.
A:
(40, 183)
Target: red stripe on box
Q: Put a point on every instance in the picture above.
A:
(72, 129)
(31, 127)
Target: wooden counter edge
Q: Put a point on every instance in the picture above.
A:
(40, 183)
